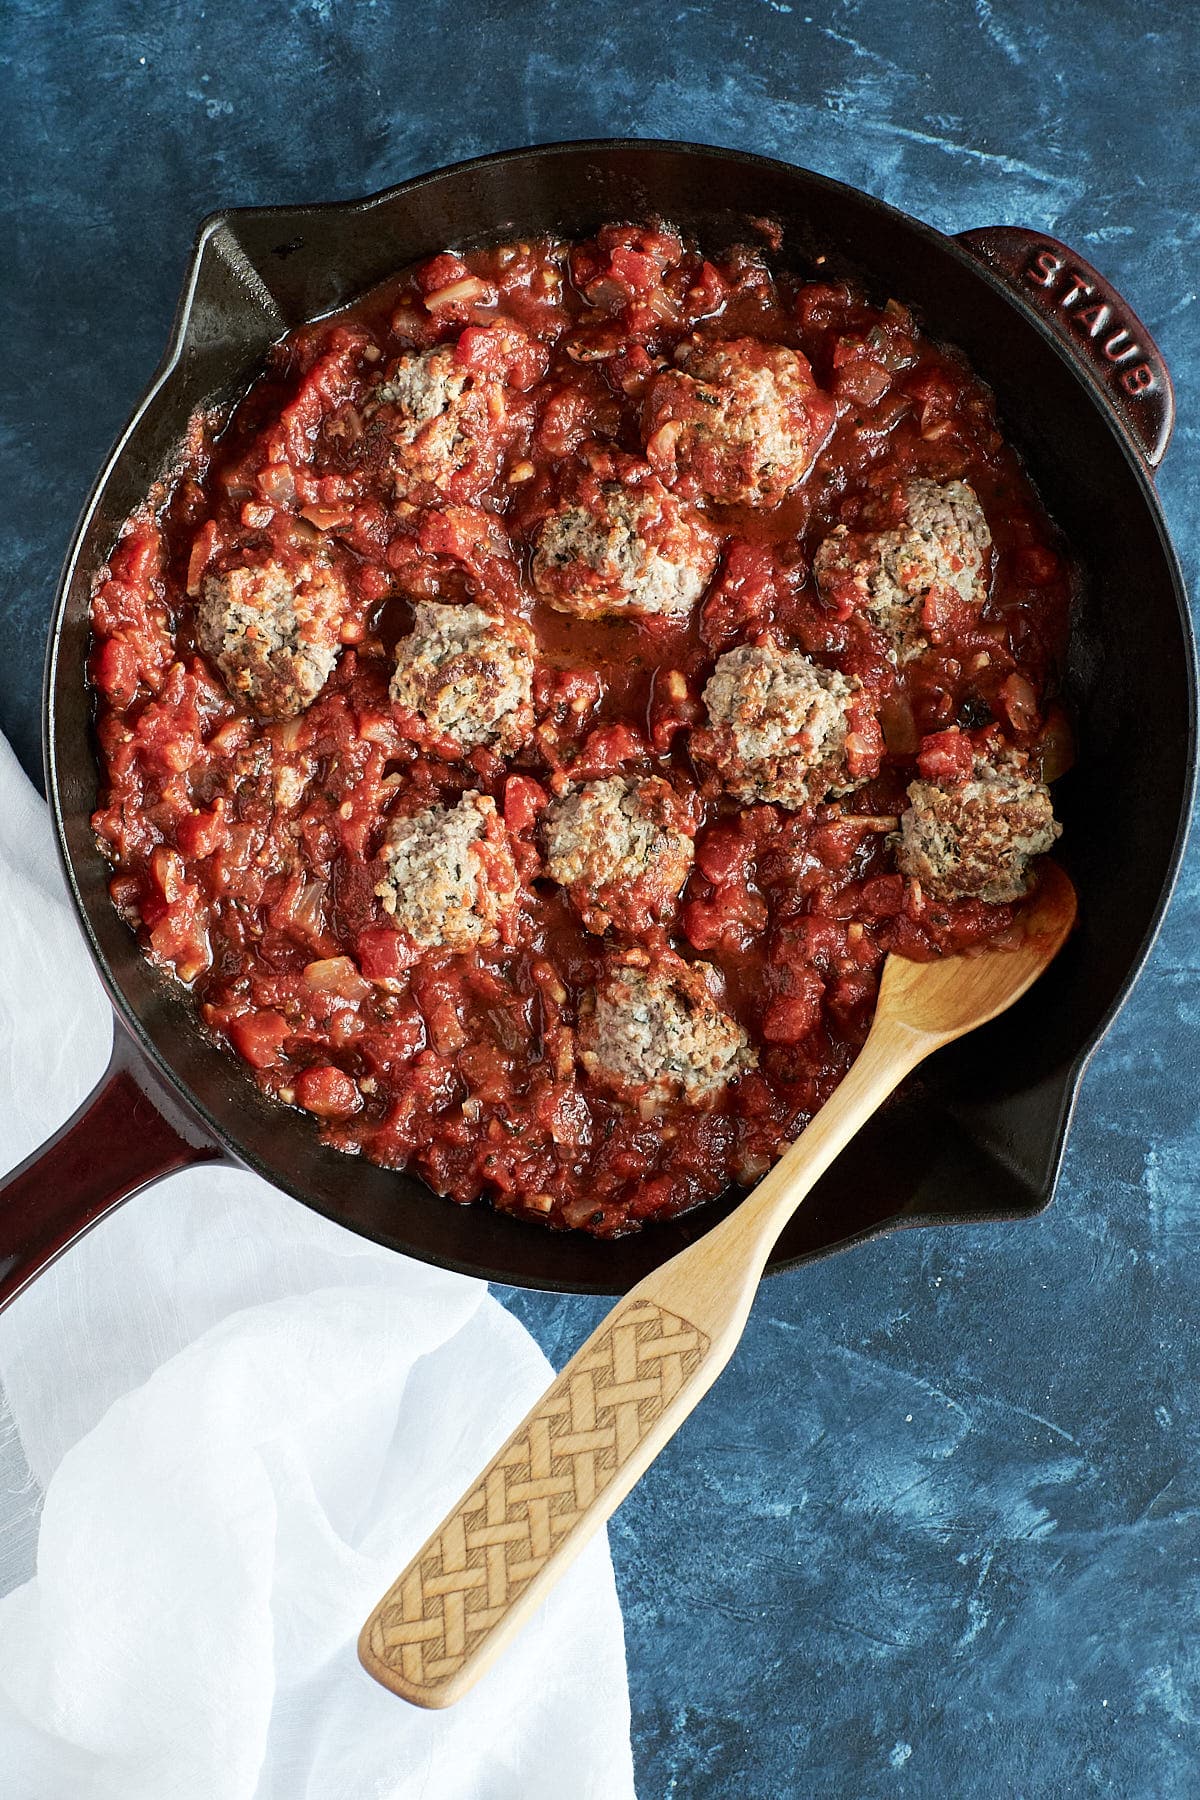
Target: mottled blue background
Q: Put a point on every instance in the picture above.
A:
(935, 1533)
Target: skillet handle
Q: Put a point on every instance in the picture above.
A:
(1105, 336)
(128, 1133)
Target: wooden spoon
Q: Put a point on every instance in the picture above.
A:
(572, 1460)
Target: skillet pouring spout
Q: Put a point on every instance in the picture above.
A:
(597, 1429)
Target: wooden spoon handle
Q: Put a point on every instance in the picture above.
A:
(594, 1433)
(562, 1473)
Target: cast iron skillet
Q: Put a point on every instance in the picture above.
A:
(1084, 395)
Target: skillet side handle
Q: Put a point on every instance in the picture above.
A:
(128, 1133)
(1104, 335)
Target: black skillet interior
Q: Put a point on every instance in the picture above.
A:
(979, 1134)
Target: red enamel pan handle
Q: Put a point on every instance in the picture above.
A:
(128, 1132)
(1105, 336)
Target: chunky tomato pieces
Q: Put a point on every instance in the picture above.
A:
(245, 852)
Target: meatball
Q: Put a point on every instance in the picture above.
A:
(740, 423)
(975, 837)
(622, 848)
(913, 581)
(442, 417)
(273, 632)
(467, 675)
(623, 549)
(783, 729)
(654, 1035)
(450, 878)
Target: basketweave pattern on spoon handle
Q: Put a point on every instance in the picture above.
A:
(530, 1498)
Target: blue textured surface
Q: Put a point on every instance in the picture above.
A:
(935, 1533)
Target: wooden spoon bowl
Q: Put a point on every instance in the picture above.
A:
(953, 995)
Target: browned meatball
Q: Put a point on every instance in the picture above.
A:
(273, 632)
(449, 878)
(467, 675)
(915, 579)
(439, 419)
(623, 549)
(740, 423)
(976, 837)
(449, 411)
(784, 730)
(656, 1034)
(623, 849)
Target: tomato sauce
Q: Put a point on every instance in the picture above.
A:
(243, 850)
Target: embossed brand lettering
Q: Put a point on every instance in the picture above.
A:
(1139, 380)
(1120, 347)
(1094, 318)
(1044, 268)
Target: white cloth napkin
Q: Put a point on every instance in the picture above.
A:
(226, 1425)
